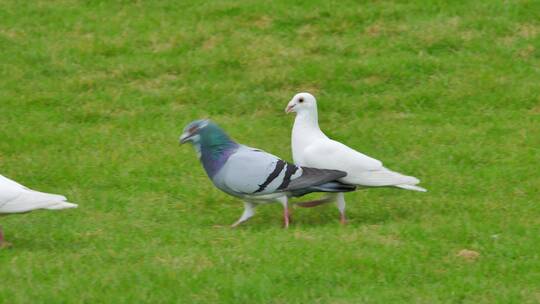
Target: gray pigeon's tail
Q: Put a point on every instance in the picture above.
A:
(333, 187)
(330, 187)
(318, 180)
(314, 177)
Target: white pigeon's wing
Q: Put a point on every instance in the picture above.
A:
(361, 169)
(32, 200)
(330, 154)
(9, 190)
(15, 198)
(6, 182)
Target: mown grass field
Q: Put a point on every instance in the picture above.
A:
(94, 94)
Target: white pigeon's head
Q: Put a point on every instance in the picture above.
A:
(301, 102)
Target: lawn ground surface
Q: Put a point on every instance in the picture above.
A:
(94, 94)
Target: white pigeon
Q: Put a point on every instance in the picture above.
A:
(312, 148)
(16, 198)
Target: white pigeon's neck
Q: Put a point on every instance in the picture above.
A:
(305, 131)
(308, 119)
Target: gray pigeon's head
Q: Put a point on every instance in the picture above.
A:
(302, 102)
(212, 144)
(205, 133)
(192, 131)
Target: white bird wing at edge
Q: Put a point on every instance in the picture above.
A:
(16, 198)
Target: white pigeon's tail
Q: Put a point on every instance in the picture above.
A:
(412, 187)
(32, 200)
(384, 178)
(62, 205)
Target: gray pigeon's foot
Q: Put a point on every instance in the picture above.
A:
(240, 221)
(342, 219)
(236, 224)
(249, 211)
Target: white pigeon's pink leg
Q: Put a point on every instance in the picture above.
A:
(340, 203)
(286, 214)
(3, 243)
(249, 211)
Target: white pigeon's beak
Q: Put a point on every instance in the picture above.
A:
(290, 107)
(184, 138)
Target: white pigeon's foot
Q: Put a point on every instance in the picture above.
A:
(289, 213)
(3, 243)
(340, 203)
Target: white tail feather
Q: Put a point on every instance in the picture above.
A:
(379, 178)
(63, 205)
(16, 198)
(412, 187)
(33, 200)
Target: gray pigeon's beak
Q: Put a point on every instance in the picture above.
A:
(184, 138)
(289, 107)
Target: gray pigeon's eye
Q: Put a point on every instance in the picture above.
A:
(301, 99)
(192, 129)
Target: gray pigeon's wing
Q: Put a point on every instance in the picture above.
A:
(255, 172)
(251, 171)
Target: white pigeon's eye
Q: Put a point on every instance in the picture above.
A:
(301, 99)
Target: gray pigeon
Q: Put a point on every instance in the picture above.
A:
(253, 175)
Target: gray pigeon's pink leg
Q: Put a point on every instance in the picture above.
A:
(286, 215)
(249, 211)
(340, 202)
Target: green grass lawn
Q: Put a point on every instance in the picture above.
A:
(94, 94)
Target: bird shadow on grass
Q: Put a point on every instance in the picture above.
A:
(367, 214)
(324, 216)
